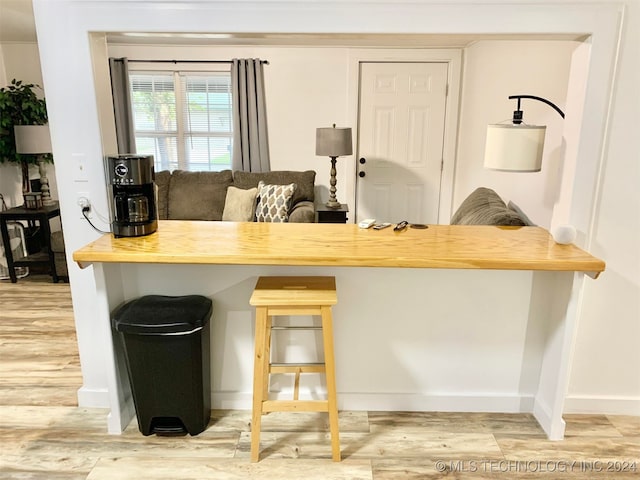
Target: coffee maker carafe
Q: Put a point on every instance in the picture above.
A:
(133, 196)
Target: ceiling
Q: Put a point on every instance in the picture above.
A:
(17, 25)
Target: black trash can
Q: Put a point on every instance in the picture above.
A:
(166, 344)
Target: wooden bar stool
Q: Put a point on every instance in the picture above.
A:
(274, 296)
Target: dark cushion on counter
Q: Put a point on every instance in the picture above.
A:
(304, 182)
(485, 207)
(198, 195)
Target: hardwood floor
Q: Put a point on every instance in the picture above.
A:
(44, 435)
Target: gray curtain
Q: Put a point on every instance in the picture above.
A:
(125, 133)
(250, 145)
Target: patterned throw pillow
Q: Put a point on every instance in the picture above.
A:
(274, 202)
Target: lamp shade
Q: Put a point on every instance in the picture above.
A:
(514, 148)
(333, 142)
(32, 139)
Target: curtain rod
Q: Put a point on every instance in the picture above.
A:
(266, 62)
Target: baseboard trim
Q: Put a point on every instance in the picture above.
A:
(612, 405)
(93, 398)
(436, 403)
(400, 402)
(603, 404)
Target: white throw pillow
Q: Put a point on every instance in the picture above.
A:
(240, 205)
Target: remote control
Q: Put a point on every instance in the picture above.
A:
(380, 226)
(367, 222)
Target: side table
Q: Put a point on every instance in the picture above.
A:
(325, 214)
(41, 215)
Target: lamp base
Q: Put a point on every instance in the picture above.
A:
(333, 204)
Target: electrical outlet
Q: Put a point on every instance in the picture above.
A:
(83, 201)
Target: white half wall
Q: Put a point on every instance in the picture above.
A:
(423, 339)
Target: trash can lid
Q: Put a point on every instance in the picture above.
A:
(161, 314)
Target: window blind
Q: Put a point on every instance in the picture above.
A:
(183, 119)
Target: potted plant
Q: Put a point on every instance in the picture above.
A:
(19, 105)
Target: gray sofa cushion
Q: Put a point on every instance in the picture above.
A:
(303, 212)
(303, 180)
(162, 181)
(198, 195)
(485, 207)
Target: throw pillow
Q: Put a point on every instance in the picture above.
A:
(274, 202)
(240, 205)
(304, 181)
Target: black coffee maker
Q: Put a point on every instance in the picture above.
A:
(133, 195)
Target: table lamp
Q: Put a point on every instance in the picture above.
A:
(333, 142)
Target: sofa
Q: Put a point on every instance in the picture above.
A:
(277, 196)
(485, 207)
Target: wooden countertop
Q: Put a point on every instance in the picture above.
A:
(326, 244)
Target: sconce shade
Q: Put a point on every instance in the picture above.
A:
(32, 139)
(514, 148)
(333, 142)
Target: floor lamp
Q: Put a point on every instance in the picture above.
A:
(516, 147)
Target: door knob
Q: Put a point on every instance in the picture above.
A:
(363, 160)
(361, 174)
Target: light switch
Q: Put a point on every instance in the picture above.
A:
(80, 167)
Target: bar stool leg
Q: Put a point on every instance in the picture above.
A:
(259, 380)
(267, 357)
(329, 360)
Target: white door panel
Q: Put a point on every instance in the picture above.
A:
(400, 138)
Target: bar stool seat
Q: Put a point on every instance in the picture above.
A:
(276, 296)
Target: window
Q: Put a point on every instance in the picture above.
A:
(183, 119)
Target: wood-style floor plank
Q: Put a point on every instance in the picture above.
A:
(45, 436)
(198, 468)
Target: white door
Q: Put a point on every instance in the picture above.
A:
(400, 141)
